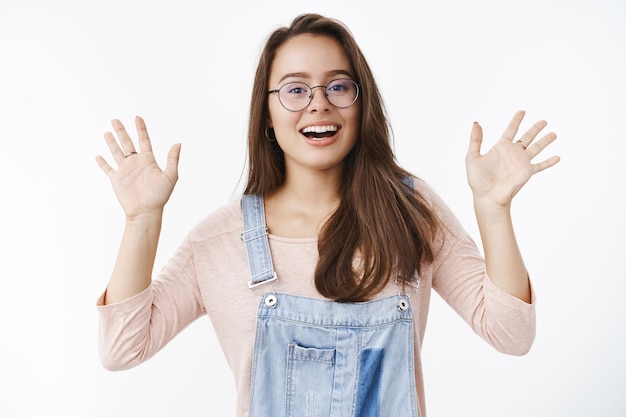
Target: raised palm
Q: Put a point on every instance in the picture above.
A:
(139, 183)
(499, 174)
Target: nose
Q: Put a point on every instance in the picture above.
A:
(319, 101)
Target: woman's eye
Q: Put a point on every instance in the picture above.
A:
(297, 89)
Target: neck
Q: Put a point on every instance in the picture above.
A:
(302, 204)
(313, 187)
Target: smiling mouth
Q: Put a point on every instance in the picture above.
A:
(319, 132)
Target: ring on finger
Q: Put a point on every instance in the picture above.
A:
(522, 143)
(134, 153)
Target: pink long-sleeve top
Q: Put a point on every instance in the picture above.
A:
(210, 270)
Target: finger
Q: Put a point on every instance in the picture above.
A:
(476, 139)
(171, 166)
(553, 160)
(541, 144)
(114, 147)
(104, 165)
(530, 135)
(125, 141)
(511, 130)
(142, 132)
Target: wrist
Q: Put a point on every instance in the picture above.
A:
(488, 209)
(145, 219)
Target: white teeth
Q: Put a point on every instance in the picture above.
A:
(319, 129)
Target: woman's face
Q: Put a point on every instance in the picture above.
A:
(321, 135)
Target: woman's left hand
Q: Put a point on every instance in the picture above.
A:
(498, 175)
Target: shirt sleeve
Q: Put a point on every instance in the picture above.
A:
(459, 276)
(134, 330)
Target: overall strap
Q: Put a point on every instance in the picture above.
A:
(254, 236)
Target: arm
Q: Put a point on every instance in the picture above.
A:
(495, 178)
(142, 189)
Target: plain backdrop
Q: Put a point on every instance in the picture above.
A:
(68, 67)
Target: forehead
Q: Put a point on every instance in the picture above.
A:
(309, 57)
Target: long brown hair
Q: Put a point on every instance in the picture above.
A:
(382, 228)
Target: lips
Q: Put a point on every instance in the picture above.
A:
(319, 131)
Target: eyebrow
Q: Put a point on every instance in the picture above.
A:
(307, 75)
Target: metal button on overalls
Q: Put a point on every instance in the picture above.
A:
(270, 300)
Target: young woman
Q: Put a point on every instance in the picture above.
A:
(330, 254)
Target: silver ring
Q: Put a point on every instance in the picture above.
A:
(523, 144)
(134, 153)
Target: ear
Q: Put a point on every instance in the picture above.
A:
(269, 134)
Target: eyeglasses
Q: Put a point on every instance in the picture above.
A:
(297, 96)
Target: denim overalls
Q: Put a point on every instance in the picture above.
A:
(317, 358)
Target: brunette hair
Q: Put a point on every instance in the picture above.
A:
(382, 228)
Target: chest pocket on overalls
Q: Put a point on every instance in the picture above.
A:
(310, 379)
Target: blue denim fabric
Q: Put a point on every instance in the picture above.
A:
(255, 238)
(317, 358)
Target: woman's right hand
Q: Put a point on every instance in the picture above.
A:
(140, 185)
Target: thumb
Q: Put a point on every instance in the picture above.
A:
(171, 167)
(476, 139)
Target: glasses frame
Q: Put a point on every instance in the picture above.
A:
(325, 87)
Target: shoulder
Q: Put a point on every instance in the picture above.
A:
(440, 208)
(423, 188)
(224, 220)
(428, 194)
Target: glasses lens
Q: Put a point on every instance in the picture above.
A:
(294, 96)
(342, 92)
